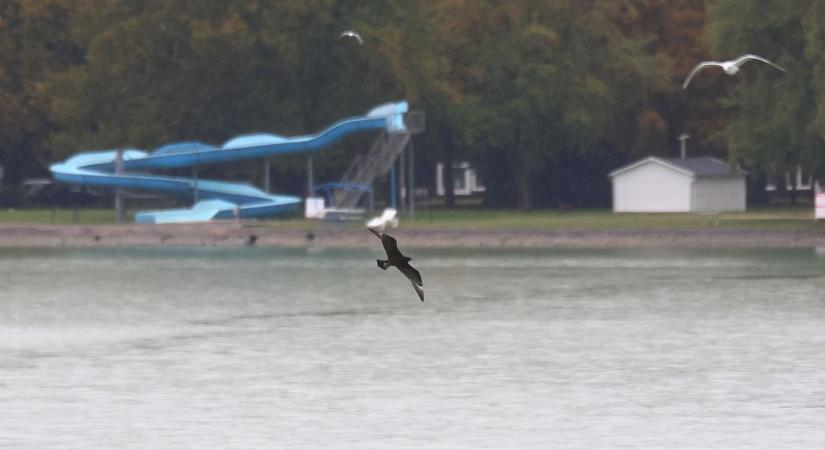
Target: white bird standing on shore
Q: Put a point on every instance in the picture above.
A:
(352, 34)
(730, 67)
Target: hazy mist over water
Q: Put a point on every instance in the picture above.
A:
(264, 348)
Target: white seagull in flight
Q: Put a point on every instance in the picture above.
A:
(352, 34)
(730, 67)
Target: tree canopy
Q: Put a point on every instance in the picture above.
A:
(544, 96)
(775, 124)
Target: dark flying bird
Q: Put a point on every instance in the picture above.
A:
(401, 262)
(730, 67)
(352, 34)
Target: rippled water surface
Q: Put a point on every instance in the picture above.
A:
(261, 348)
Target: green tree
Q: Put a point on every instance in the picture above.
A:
(673, 29)
(546, 78)
(34, 44)
(814, 26)
(774, 125)
(545, 95)
(157, 71)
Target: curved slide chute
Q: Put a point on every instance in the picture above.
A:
(217, 199)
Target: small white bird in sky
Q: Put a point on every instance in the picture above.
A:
(730, 67)
(352, 34)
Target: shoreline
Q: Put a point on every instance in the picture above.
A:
(242, 234)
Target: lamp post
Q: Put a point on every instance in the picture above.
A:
(411, 168)
(267, 175)
(310, 177)
(119, 191)
(683, 145)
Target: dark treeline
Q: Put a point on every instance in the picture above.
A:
(544, 97)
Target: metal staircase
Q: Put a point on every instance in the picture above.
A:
(383, 153)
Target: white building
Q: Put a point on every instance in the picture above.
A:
(465, 179)
(800, 183)
(702, 184)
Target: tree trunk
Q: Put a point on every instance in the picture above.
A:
(16, 162)
(523, 171)
(448, 144)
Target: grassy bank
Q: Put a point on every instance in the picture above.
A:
(769, 218)
(60, 216)
(476, 219)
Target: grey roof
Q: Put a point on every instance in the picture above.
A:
(703, 166)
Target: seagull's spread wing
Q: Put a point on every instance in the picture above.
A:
(376, 232)
(353, 34)
(414, 277)
(390, 246)
(419, 290)
(389, 243)
(745, 58)
(696, 69)
(411, 273)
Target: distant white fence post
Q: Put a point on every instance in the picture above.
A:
(819, 205)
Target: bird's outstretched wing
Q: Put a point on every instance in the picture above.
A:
(745, 58)
(353, 34)
(414, 277)
(390, 246)
(375, 232)
(419, 290)
(389, 243)
(696, 69)
(411, 273)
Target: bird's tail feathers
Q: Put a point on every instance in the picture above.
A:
(384, 265)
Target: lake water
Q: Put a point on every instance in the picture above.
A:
(261, 348)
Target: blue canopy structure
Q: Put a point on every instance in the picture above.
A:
(217, 199)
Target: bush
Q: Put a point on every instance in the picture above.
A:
(11, 197)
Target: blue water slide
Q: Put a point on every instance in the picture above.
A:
(217, 199)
